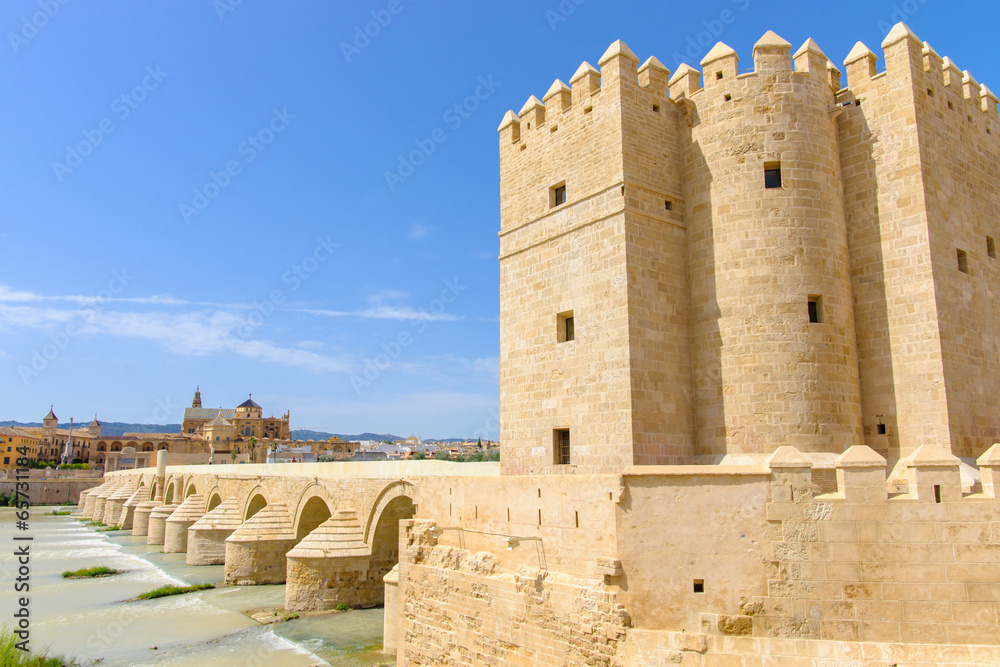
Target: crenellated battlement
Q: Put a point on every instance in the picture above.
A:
(771, 54)
(619, 67)
(906, 55)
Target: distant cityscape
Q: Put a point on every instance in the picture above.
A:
(214, 436)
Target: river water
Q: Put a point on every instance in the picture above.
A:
(87, 619)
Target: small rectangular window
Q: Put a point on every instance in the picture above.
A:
(991, 247)
(561, 446)
(557, 195)
(772, 175)
(815, 309)
(718, 75)
(699, 586)
(669, 205)
(880, 428)
(963, 261)
(566, 327)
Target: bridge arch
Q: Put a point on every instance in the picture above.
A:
(394, 504)
(214, 499)
(397, 489)
(315, 505)
(256, 501)
(168, 491)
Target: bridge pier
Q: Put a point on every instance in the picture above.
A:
(91, 500)
(82, 502)
(255, 552)
(128, 509)
(206, 538)
(390, 625)
(140, 518)
(175, 538)
(156, 531)
(113, 505)
(101, 500)
(331, 566)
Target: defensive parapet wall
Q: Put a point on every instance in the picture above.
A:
(700, 554)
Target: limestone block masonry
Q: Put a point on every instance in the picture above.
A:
(749, 260)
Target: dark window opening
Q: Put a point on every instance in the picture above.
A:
(576, 515)
(669, 205)
(772, 175)
(699, 585)
(558, 195)
(963, 261)
(567, 327)
(991, 247)
(951, 106)
(561, 441)
(718, 75)
(729, 98)
(656, 108)
(815, 309)
(930, 92)
(880, 429)
(937, 493)
(588, 109)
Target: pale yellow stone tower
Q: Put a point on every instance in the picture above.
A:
(717, 264)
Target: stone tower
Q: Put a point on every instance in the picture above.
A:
(50, 425)
(196, 403)
(772, 320)
(94, 428)
(594, 331)
(717, 264)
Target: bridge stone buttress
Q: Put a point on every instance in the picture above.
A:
(329, 531)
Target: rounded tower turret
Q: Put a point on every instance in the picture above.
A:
(773, 340)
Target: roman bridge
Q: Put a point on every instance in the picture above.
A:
(328, 530)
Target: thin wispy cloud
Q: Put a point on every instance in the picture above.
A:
(194, 333)
(378, 309)
(418, 232)
(10, 295)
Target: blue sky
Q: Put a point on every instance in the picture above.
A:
(196, 193)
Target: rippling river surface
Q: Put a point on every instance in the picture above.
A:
(87, 619)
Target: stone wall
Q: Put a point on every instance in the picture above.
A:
(464, 608)
(53, 491)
